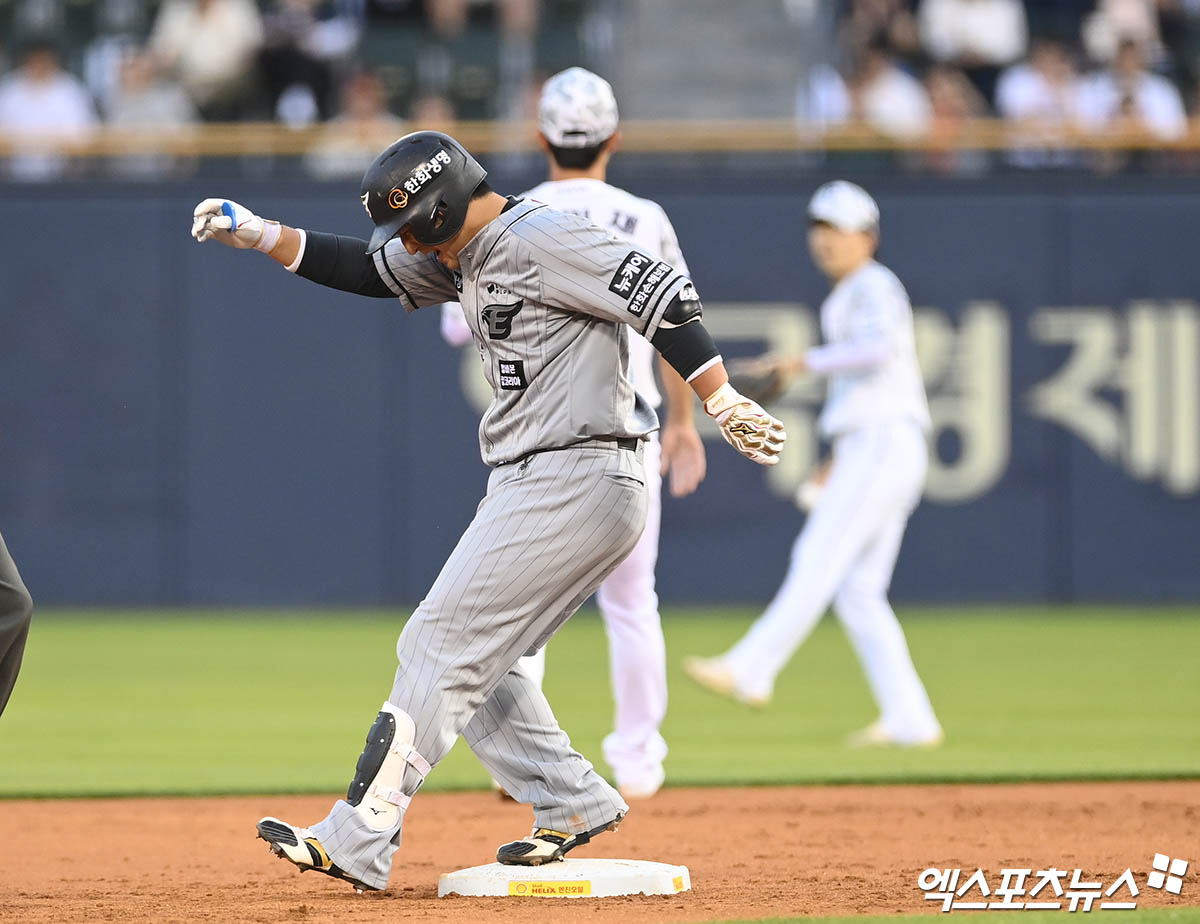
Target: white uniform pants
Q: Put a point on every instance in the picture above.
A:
(636, 651)
(845, 555)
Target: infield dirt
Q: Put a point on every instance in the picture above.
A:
(753, 852)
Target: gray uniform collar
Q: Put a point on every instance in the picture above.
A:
(472, 257)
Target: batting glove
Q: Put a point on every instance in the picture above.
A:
(233, 225)
(745, 425)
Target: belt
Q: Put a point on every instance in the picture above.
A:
(628, 443)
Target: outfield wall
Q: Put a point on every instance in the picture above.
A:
(186, 424)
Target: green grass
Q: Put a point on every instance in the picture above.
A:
(208, 702)
(1140, 916)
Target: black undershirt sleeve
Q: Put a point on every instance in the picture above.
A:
(341, 262)
(686, 348)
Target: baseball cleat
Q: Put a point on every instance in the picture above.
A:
(546, 846)
(300, 847)
(876, 736)
(716, 677)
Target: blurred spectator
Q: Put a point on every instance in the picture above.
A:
(40, 100)
(433, 112)
(209, 46)
(38, 17)
(955, 104)
(822, 99)
(885, 97)
(118, 27)
(893, 19)
(1179, 29)
(146, 101)
(978, 36)
(1127, 97)
(448, 18)
(362, 128)
(442, 68)
(1038, 97)
(1114, 20)
(303, 42)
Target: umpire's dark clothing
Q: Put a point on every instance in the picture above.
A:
(16, 609)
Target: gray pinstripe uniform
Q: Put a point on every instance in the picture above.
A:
(550, 300)
(16, 610)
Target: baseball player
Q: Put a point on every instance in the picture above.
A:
(877, 419)
(577, 116)
(16, 611)
(550, 299)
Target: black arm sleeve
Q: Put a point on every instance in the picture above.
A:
(686, 348)
(341, 262)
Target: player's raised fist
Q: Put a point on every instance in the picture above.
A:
(745, 425)
(233, 225)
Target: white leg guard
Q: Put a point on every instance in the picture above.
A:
(377, 788)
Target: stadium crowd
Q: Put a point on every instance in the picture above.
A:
(907, 69)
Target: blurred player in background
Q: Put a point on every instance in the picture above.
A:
(877, 418)
(577, 118)
(16, 610)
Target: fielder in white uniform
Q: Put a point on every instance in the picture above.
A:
(877, 418)
(577, 118)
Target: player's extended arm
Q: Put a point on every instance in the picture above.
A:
(684, 343)
(329, 259)
(765, 378)
(683, 457)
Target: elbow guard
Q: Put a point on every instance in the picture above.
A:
(681, 339)
(684, 308)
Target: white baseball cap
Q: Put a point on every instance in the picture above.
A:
(577, 109)
(845, 206)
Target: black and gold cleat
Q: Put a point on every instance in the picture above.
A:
(546, 846)
(299, 847)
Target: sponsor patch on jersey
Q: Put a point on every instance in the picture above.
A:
(494, 288)
(498, 318)
(457, 280)
(629, 274)
(512, 374)
(654, 279)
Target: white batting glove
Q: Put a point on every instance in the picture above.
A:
(745, 425)
(233, 225)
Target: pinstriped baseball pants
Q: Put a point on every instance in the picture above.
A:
(16, 609)
(550, 529)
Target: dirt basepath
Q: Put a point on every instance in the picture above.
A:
(752, 852)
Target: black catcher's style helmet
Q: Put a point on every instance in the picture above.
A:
(425, 181)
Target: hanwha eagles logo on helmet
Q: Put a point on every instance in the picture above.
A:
(397, 198)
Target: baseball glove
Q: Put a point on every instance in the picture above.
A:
(760, 379)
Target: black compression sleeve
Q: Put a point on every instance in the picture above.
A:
(341, 262)
(686, 348)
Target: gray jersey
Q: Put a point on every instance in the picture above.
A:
(550, 299)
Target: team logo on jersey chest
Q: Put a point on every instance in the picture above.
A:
(499, 318)
(629, 274)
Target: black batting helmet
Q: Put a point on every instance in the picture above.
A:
(425, 181)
